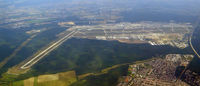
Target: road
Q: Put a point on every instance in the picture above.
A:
(47, 50)
(193, 47)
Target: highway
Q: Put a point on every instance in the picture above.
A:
(193, 47)
(47, 50)
(190, 43)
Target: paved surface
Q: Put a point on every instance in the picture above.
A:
(47, 50)
(193, 47)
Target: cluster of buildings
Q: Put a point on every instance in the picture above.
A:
(192, 78)
(157, 72)
(154, 33)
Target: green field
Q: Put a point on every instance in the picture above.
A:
(61, 79)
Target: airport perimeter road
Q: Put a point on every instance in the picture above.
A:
(47, 50)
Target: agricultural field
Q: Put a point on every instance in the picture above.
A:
(61, 79)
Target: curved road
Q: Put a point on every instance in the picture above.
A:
(193, 47)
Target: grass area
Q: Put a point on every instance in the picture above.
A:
(15, 70)
(35, 81)
(110, 78)
(53, 83)
(106, 70)
(8, 77)
(113, 67)
(45, 78)
(85, 75)
(107, 76)
(18, 83)
(61, 79)
(103, 71)
(69, 77)
(29, 82)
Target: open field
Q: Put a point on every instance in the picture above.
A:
(29, 82)
(61, 79)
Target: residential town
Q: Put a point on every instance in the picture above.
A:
(157, 72)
